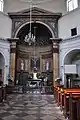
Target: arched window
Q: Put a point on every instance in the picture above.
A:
(1, 5)
(72, 4)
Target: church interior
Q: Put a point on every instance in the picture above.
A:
(40, 59)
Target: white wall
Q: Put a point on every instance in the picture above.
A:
(51, 5)
(5, 51)
(67, 46)
(67, 22)
(5, 26)
(77, 62)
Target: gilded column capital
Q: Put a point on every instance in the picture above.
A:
(13, 43)
(55, 46)
(11, 40)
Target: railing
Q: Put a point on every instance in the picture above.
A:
(25, 89)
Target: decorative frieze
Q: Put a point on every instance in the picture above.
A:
(19, 18)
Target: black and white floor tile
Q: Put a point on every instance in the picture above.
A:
(30, 106)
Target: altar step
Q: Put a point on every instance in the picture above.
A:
(43, 90)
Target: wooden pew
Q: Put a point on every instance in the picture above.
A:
(57, 91)
(0, 93)
(62, 97)
(67, 93)
(4, 92)
(59, 96)
(74, 106)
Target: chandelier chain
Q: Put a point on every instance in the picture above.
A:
(30, 38)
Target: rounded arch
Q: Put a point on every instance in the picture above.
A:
(5, 67)
(69, 57)
(2, 59)
(2, 53)
(74, 51)
(2, 66)
(47, 26)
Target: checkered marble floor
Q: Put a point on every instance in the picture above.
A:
(30, 106)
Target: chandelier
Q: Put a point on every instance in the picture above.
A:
(30, 38)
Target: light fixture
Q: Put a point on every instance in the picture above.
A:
(30, 38)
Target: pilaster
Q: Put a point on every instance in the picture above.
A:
(55, 50)
(13, 47)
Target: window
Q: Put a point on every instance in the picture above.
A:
(72, 4)
(73, 31)
(1, 5)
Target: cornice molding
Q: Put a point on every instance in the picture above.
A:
(35, 11)
(73, 38)
(4, 40)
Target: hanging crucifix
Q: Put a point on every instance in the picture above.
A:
(35, 63)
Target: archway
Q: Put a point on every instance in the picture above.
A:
(2, 65)
(28, 54)
(72, 61)
(33, 24)
(46, 27)
(42, 33)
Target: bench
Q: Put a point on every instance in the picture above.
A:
(74, 106)
(0, 93)
(62, 97)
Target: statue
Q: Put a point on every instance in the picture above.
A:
(47, 65)
(35, 76)
(22, 65)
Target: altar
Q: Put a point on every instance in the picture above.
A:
(34, 82)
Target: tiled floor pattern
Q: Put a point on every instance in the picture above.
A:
(30, 106)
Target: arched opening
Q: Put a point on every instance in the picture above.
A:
(72, 63)
(2, 63)
(34, 58)
(72, 56)
(41, 32)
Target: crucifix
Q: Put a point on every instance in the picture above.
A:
(35, 63)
